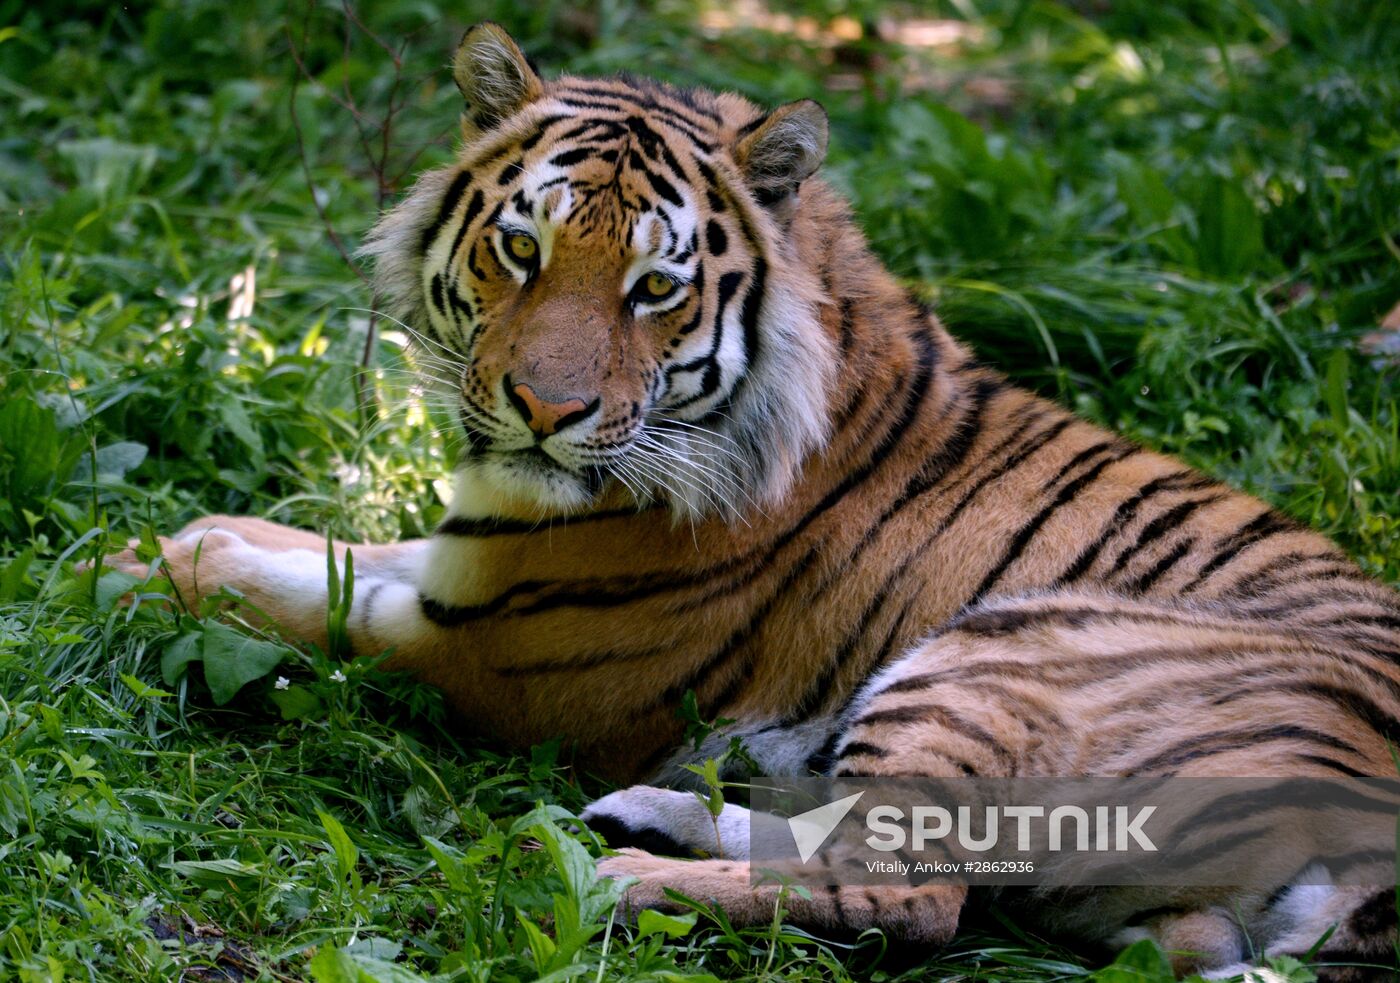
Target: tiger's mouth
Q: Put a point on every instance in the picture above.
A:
(535, 459)
(536, 464)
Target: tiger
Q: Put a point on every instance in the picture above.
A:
(714, 453)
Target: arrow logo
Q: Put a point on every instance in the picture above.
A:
(810, 829)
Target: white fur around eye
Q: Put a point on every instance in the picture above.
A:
(501, 236)
(671, 301)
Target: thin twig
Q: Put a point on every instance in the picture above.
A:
(378, 158)
(306, 167)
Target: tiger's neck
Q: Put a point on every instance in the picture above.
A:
(890, 350)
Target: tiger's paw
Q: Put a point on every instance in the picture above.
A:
(653, 875)
(198, 561)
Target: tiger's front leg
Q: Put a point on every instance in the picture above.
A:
(282, 573)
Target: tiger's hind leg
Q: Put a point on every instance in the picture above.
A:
(666, 821)
(925, 914)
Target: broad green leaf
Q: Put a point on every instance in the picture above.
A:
(298, 703)
(673, 926)
(450, 865)
(540, 815)
(12, 578)
(347, 855)
(385, 950)
(142, 690)
(233, 659)
(1141, 962)
(114, 460)
(541, 946)
(332, 965)
(112, 586)
(236, 418)
(217, 869)
(179, 654)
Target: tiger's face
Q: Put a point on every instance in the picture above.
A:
(603, 281)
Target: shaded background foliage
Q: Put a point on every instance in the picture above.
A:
(1179, 219)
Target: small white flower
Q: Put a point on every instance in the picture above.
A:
(282, 683)
(337, 676)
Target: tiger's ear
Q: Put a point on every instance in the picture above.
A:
(495, 77)
(780, 150)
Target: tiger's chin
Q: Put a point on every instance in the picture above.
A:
(528, 484)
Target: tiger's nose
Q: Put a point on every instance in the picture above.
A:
(542, 416)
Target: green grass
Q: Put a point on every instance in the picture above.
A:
(1177, 219)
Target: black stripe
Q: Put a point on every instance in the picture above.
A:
(715, 239)
(450, 201)
(1218, 742)
(1068, 492)
(811, 700)
(1357, 705)
(568, 158)
(735, 642)
(438, 297)
(1122, 516)
(856, 748)
(936, 714)
(949, 721)
(510, 172)
(1005, 621)
(753, 303)
(751, 125)
(618, 834)
(669, 117)
(578, 663)
(367, 602)
(819, 762)
(461, 526)
(900, 427)
(1158, 527)
(709, 362)
(1335, 765)
(1005, 468)
(646, 92)
(1288, 569)
(540, 128)
(1159, 569)
(848, 326)
(473, 209)
(663, 187)
(1261, 527)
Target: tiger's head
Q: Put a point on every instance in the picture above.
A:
(606, 280)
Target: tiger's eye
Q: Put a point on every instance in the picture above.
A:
(522, 247)
(658, 285)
